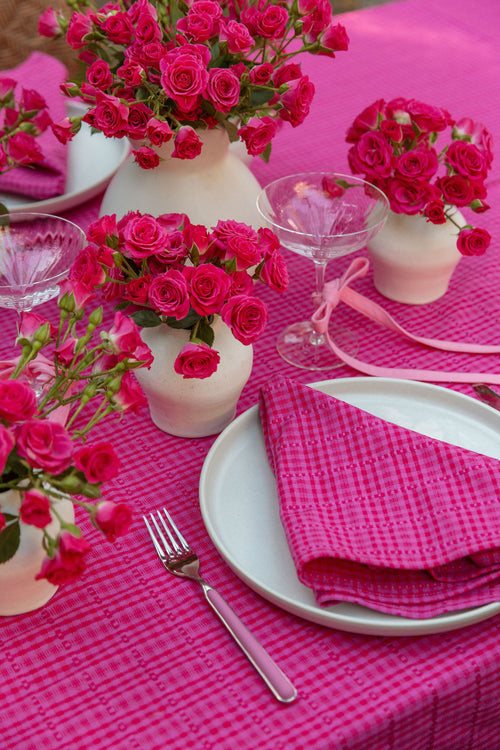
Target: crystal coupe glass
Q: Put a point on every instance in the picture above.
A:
(36, 253)
(321, 215)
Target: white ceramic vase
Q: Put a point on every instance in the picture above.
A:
(412, 259)
(20, 592)
(214, 185)
(193, 407)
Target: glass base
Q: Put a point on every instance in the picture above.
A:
(301, 346)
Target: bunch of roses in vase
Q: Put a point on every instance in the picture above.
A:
(168, 270)
(426, 163)
(159, 70)
(65, 381)
(23, 118)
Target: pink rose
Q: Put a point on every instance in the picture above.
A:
(318, 15)
(146, 157)
(100, 230)
(297, 101)
(477, 134)
(272, 21)
(202, 21)
(223, 89)
(87, 270)
(143, 236)
(48, 24)
(274, 272)
(137, 290)
(45, 445)
(473, 241)
(81, 294)
(257, 134)
(409, 197)
(138, 117)
(237, 36)
(187, 145)
(334, 38)
(184, 80)
(241, 283)
(130, 396)
(132, 73)
(99, 75)
(63, 130)
(79, 26)
(17, 401)
(168, 294)
(371, 155)
(35, 509)
(65, 352)
(467, 160)
(24, 149)
(246, 317)
(417, 164)
(208, 288)
(118, 28)
(147, 29)
(261, 74)
(34, 327)
(6, 445)
(158, 132)
(98, 461)
(126, 340)
(238, 241)
(110, 115)
(456, 190)
(113, 519)
(427, 118)
(196, 361)
(68, 563)
(435, 212)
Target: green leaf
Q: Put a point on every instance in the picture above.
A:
(205, 333)
(188, 322)
(260, 96)
(9, 541)
(146, 319)
(266, 153)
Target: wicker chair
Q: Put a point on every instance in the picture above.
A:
(19, 33)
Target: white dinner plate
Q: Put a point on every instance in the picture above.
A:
(239, 503)
(92, 161)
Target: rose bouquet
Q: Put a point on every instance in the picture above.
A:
(399, 146)
(160, 70)
(23, 117)
(48, 405)
(168, 270)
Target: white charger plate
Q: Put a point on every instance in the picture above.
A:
(239, 503)
(92, 161)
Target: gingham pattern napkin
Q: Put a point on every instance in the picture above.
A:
(377, 514)
(47, 179)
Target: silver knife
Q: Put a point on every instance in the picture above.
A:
(487, 394)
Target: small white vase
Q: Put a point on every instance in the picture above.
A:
(214, 185)
(193, 407)
(19, 591)
(412, 259)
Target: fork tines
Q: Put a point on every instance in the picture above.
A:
(176, 545)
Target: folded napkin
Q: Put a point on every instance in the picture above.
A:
(44, 74)
(377, 514)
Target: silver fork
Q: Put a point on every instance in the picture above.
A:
(179, 559)
(488, 395)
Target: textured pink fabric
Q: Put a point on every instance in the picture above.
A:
(130, 658)
(377, 514)
(47, 179)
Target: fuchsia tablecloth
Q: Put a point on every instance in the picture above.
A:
(130, 658)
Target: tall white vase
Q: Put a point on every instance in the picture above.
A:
(20, 592)
(412, 259)
(214, 185)
(193, 407)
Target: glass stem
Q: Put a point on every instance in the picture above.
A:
(317, 339)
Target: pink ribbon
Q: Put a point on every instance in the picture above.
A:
(338, 290)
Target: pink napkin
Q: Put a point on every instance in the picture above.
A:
(377, 514)
(43, 74)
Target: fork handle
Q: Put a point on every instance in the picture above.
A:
(272, 675)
